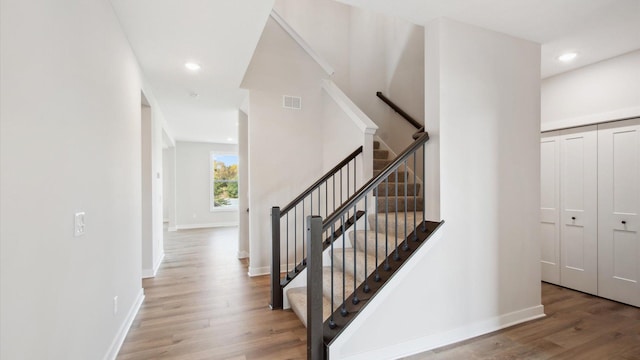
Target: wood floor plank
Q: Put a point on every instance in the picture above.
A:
(202, 305)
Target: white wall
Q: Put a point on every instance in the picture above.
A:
(243, 186)
(370, 52)
(482, 270)
(285, 151)
(169, 186)
(70, 141)
(193, 176)
(604, 91)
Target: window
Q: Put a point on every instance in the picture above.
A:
(224, 181)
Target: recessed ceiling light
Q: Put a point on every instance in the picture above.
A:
(567, 57)
(192, 66)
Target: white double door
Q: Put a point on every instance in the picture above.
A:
(590, 185)
(619, 211)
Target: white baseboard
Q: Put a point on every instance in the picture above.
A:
(116, 344)
(150, 273)
(202, 226)
(429, 342)
(172, 228)
(243, 254)
(265, 270)
(165, 220)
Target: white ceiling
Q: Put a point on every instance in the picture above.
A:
(596, 29)
(221, 35)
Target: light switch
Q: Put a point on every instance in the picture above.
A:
(78, 227)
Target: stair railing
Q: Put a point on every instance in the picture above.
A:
(402, 113)
(288, 223)
(391, 248)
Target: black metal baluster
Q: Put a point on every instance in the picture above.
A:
(334, 192)
(397, 254)
(332, 324)
(424, 156)
(295, 238)
(386, 227)
(366, 288)
(303, 217)
(287, 257)
(377, 277)
(355, 267)
(343, 311)
(415, 198)
(406, 235)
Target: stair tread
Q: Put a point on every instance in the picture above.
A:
(360, 256)
(391, 220)
(298, 301)
(337, 284)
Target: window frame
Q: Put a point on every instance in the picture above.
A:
(212, 181)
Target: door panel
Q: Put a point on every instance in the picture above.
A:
(578, 215)
(549, 207)
(619, 209)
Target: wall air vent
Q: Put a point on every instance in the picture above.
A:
(292, 102)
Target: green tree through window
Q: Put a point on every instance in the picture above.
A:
(224, 181)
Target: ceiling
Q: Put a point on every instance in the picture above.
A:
(595, 29)
(221, 36)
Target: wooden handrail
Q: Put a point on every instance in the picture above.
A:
(373, 183)
(400, 112)
(324, 178)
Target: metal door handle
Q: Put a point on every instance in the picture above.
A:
(623, 222)
(573, 218)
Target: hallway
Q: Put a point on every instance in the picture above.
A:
(202, 305)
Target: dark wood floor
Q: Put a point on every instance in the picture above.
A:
(202, 305)
(577, 326)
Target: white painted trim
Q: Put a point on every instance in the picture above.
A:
(172, 228)
(242, 254)
(202, 226)
(150, 273)
(303, 44)
(620, 114)
(116, 344)
(429, 342)
(362, 121)
(165, 221)
(265, 270)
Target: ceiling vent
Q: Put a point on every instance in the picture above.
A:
(292, 102)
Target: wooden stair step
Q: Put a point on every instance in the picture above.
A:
(385, 243)
(389, 189)
(391, 221)
(392, 176)
(298, 301)
(379, 164)
(393, 204)
(347, 254)
(380, 154)
(376, 145)
(337, 284)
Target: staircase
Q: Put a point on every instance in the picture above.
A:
(391, 229)
(348, 246)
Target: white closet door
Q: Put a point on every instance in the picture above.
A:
(619, 206)
(578, 214)
(550, 207)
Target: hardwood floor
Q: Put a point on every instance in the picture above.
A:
(202, 305)
(577, 326)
